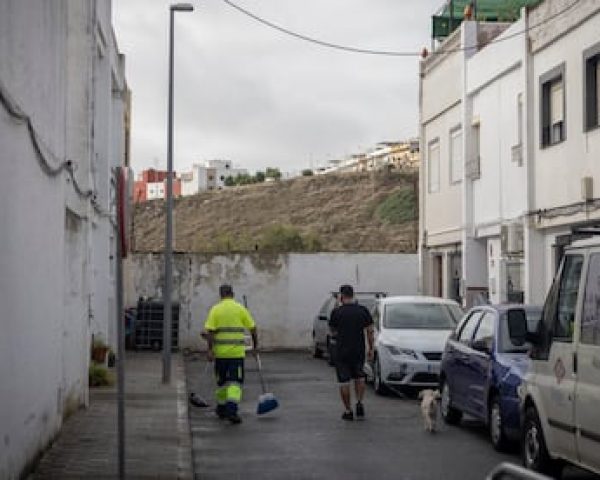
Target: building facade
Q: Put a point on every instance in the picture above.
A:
(524, 182)
(64, 124)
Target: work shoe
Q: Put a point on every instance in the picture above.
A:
(360, 410)
(348, 416)
(234, 418)
(221, 412)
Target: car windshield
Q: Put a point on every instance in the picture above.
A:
(505, 344)
(429, 316)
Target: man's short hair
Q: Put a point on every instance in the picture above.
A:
(226, 290)
(347, 291)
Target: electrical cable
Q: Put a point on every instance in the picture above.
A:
(392, 53)
(52, 169)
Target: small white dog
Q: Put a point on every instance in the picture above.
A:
(429, 408)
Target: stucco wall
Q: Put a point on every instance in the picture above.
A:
(284, 292)
(54, 285)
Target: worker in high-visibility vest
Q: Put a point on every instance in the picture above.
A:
(225, 325)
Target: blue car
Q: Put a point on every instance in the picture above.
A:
(482, 369)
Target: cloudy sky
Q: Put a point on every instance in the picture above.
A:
(253, 95)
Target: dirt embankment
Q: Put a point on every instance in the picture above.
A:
(362, 212)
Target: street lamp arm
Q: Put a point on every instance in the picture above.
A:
(182, 7)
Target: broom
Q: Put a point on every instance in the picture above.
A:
(267, 401)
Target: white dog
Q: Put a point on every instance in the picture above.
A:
(429, 407)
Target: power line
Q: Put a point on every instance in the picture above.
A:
(391, 53)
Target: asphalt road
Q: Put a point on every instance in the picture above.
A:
(306, 438)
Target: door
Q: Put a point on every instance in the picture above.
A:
(588, 370)
(458, 367)
(555, 377)
(477, 370)
(438, 275)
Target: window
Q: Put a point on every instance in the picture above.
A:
(485, 331)
(567, 298)
(473, 164)
(590, 321)
(591, 101)
(456, 155)
(466, 333)
(433, 169)
(416, 316)
(553, 101)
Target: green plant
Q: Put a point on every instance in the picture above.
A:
(307, 172)
(274, 173)
(99, 376)
(398, 207)
(281, 238)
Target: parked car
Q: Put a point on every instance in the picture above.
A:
(561, 391)
(411, 332)
(482, 369)
(323, 341)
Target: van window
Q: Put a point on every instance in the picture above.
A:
(590, 321)
(567, 298)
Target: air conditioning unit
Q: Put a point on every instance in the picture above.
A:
(511, 238)
(587, 189)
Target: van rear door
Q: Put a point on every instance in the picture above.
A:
(555, 374)
(588, 370)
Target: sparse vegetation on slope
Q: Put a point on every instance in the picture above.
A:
(350, 212)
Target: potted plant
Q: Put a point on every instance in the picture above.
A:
(99, 350)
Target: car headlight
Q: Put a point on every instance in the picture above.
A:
(401, 351)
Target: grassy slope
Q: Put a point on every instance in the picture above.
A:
(350, 212)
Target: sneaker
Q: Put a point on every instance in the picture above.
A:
(235, 419)
(360, 410)
(348, 416)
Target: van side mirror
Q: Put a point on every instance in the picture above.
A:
(517, 326)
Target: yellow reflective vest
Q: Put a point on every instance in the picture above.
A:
(228, 320)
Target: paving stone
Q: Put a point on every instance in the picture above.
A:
(158, 441)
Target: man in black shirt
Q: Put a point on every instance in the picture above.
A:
(348, 323)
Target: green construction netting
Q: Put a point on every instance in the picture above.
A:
(443, 24)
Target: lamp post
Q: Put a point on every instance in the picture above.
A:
(168, 287)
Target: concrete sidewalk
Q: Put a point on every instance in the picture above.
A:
(158, 442)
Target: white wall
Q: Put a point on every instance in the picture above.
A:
(54, 244)
(284, 291)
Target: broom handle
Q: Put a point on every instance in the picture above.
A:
(260, 375)
(257, 356)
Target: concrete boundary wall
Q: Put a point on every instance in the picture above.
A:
(284, 291)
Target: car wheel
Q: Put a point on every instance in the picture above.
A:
(451, 415)
(330, 352)
(497, 435)
(535, 453)
(378, 383)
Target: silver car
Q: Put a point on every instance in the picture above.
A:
(322, 338)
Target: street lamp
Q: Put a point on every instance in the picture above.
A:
(167, 310)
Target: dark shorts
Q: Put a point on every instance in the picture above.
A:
(229, 370)
(347, 369)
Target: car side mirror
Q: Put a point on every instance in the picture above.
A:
(517, 326)
(481, 346)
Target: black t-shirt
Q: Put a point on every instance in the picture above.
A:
(349, 322)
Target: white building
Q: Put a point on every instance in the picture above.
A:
(210, 175)
(494, 214)
(155, 190)
(63, 125)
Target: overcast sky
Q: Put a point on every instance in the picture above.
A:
(253, 95)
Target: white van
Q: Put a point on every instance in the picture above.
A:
(560, 396)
